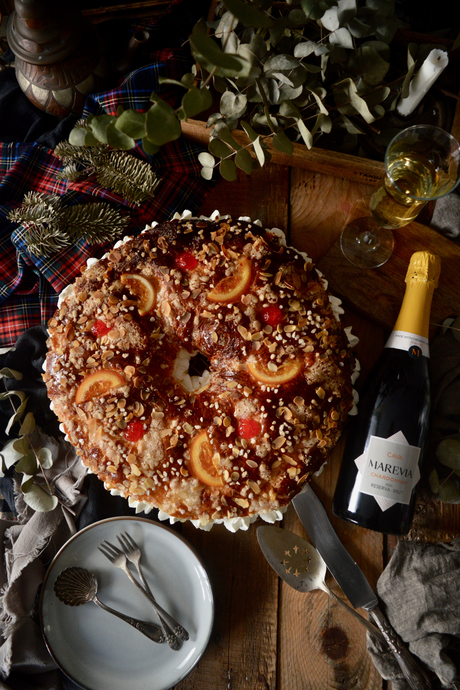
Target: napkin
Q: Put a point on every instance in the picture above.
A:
(420, 589)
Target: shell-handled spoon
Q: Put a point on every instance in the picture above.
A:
(75, 586)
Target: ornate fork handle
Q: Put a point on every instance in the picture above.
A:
(179, 630)
(150, 630)
(413, 673)
(173, 624)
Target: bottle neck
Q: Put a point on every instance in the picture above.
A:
(414, 315)
(410, 332)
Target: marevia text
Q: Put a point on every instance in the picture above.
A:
(389, 469)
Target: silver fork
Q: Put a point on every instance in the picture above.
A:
(119, 560)
(134, 555)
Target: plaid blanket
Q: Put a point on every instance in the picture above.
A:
(29, 285)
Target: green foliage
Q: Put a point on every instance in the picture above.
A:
(20, 453)
(48, 225)
(293, 71)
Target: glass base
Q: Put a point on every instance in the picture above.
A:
(365, 244)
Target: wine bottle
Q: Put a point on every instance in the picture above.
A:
(384, 451)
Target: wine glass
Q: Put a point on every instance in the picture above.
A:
(422, 163)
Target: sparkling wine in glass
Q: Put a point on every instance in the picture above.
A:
(422, 163)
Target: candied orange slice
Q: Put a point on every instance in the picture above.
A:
(98, 384)
(284, 373)
(143, 289)
(203, 461)
(231, 288)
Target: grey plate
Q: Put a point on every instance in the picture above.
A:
(99, 651)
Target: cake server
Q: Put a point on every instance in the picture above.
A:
(353, 582)
(299, 564)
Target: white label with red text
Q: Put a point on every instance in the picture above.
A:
(390, 470)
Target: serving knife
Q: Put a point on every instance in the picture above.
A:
(353, 582)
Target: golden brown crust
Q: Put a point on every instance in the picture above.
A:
(280, 386)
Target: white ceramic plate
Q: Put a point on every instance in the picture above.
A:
(99, 651)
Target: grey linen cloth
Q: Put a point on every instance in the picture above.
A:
(28, 546)
(420, 588)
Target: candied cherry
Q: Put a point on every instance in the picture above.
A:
(186, 261)
(134, 431)
(100, 328)
(248, 428)
(272, 315)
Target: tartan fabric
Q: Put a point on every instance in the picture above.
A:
(29, 285)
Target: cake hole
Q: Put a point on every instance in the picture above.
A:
(191, 370)
(198, 364)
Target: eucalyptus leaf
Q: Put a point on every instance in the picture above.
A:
(297, 19)
(132, 123)
(21, 445)
(207, 172)
(10, 374)
(249, 130)
(40, 500)
(149, 148)
(16, 417)
(281, 142)
(80, 136)
(244, 161)
(28, 465)
(314, 9)
(321, 107)
(219, 149)
(248, 14)
(206, 159)
(446, 324)
(358, 28)
(10, 454)
(342, 38)
(259, 151)
(346, 11)
(305, 134)
(228, 23)
(205, 47)
(330, 19)
(280, 63)
(117, 139)
(449, 491)
(28, 424)
(226, 136)
(347, 100)
(195, 101)
(162, 123)
(433, 480)
(227, 169)
(375, 68)
(233, 105)
(46, 458)
(448, 453)
(304, 49)
(99, 124)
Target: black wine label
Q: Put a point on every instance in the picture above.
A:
(389, 470)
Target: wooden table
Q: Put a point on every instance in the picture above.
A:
(266, 635)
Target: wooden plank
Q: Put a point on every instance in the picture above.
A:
(317, 160)
(321, 644)
(243, 648)
(377, 293)
(264, 195)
